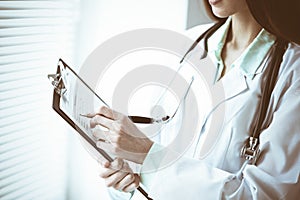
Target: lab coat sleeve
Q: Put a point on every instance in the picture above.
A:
(186, 178)
(276, 175)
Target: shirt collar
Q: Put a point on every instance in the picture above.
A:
(250, 60)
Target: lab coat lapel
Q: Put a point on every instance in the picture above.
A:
(234, 84)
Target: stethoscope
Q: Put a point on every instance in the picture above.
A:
(250, 150)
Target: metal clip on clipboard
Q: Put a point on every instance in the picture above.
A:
(60, 89)
(56, 82)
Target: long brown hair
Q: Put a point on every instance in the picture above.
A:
(278, 17)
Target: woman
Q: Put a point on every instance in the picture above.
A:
(253, 38)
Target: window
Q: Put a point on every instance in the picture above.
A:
(33, 35)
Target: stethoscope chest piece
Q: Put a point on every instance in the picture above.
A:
(250, 151)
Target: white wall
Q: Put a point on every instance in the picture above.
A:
(100, 20)
(196, 13)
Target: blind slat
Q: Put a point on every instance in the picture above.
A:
(48, 59)
(9, 32)
(39, 154)
(19, 135)
(24, 184)
(26, 65)
(29, 186)
(19, 92)
(17, 75)
(40, 48)
(23, 67)
(35, 4)
(19, 160)
(10, 129)
(31, 39)
(15, 146)
(20, 113)
(20, 168)
(36, 13)
(18, 85)
(32, 22)
(21, 101)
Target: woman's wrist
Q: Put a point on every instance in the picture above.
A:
(147, 146)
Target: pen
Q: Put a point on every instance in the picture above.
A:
(135, 119)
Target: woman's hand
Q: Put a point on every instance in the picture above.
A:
(118, 175)
(123, 138)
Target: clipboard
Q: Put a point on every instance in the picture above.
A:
(69, 89)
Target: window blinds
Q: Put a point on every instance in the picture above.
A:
(33, 35)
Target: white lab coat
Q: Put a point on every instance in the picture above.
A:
(214, 174)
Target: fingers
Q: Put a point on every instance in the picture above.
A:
(104, 111)
(106, 164)
(108, 169)
(101, 135)
(102, 121)
(109, 113)
(118, 175)
(123, 138)
(110, 138)
(108, 121)
(115, 178)
(129, 183)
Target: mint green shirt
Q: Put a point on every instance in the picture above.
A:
(252, 57)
